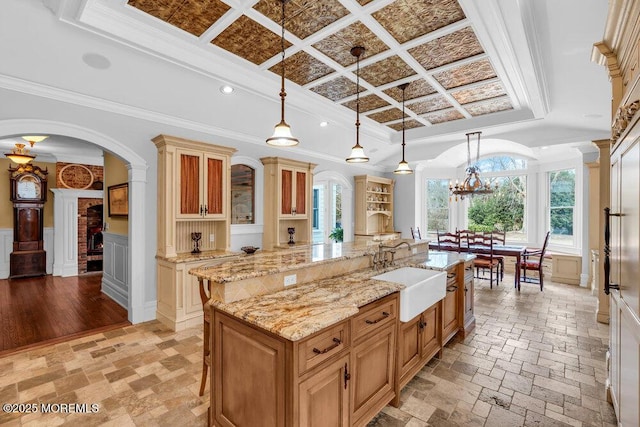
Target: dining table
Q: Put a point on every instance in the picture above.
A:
(515, 251)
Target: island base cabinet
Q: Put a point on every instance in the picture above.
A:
(323, 397)
(248, 381)
(326, 379)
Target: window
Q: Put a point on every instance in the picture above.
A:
(437, 206)
(504, 210)
(242, 194)
(562, 200)
(316, 210)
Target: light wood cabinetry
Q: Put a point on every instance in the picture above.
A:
(287, 189)
(374, 207)
(340, 376)
(451, 306)
(469, 319)
(193, 197)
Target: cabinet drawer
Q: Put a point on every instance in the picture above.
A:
(375, 315)
(452, 276)
(318, 348)
(468, 271)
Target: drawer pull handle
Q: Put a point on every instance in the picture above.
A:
(451, 275)
(452, 288)
(336, 341)
(384, 316)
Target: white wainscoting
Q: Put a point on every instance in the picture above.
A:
(6, 247)
(116, 268)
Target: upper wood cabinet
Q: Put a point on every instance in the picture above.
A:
(203, 185)
(194, 180)
(374, 205)
(287, 202)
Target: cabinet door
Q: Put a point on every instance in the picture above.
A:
(190, 166)
(409, 344)
(300, 203)
(450, 313)
(286, 192)
(430, 333)
(372, 373)
(215, 184)
(324, 397)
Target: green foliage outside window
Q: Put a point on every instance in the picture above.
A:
(503, 210)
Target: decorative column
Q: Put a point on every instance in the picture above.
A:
(138, 312)
(604, 146)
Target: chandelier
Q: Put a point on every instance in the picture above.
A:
(357, 152)
(282, 136)
(20, 154)
(472, 184)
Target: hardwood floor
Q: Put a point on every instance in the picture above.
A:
(44, 310)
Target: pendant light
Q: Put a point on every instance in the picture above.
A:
(282, 136)
(403, 167)
(20, 154)
(357, 152)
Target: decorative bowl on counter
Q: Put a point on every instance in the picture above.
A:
(249, 249)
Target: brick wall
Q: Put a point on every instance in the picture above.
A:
(77, 176)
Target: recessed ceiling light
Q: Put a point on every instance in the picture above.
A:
(544, 147)
(324, 124)
(97, 61)
(226, 89)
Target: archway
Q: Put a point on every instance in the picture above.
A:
(137, 275)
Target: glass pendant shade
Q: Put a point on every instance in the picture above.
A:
(282, 136)
(32, 139)
(357, 155)
(403, 168)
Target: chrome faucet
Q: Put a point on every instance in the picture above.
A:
(384, 258)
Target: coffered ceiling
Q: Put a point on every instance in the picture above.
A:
(518, 71)
(429, 44)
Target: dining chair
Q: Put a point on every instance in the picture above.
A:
(487, 260)
(532, 260)
(415, 234)
(467, 237)
(448, 241)
(499, 237)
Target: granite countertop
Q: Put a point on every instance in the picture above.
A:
(201, 256)
(297, 312)
(265, 263)
(442, 260)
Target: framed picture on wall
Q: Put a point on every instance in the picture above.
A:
(118, 199)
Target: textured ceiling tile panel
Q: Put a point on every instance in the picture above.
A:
(437, 103)
(488, 107)
(416, 89)
(465, 74)
(302, 68)
(408, 124)
(303, 17)
(338, 46)
(386, 71)
(387, 115)
(490, 90)
(443, 116)
(407, 19)
(336, 89)
(249, 40)
(364, 2)
(447, 49)
(193, 16)
(367, 103)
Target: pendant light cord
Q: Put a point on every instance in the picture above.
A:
(403, 161)
(358, 99)
(283, 94)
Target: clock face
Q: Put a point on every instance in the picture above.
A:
(28, 187)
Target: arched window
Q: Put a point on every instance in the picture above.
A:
(242, 194)
(505, 209)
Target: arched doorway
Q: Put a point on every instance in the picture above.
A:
(139, 276)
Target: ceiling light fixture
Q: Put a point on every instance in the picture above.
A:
(20, 154)
(282, 136)
(226, 89)
(357, 152)
(324, 124)
(472, 184)
(403, 167)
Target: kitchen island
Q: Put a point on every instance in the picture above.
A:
(325, 350)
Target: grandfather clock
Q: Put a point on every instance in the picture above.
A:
(28, 194)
